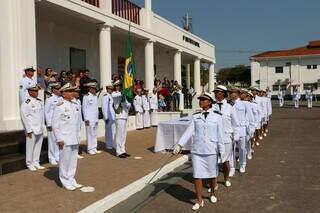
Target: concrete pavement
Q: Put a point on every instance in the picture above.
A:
(284, 175)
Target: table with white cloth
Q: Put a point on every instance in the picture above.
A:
(169, 133)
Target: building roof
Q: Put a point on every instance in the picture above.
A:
(313, 48)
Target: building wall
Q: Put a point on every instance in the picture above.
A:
(265, 71)
(54, 41)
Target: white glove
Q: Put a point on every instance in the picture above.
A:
(177, 149)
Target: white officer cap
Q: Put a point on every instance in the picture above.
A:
(117, 83)
(68, 88)
(250, 93)
(55, 85)
(206, 95)
(220, 88)
(91, 85)
(34, 87)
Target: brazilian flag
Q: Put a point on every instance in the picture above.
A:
(129, 70)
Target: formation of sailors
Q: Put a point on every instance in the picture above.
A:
(296, 97)
(222, 127)
(63, 114)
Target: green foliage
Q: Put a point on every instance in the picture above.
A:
(232, 75)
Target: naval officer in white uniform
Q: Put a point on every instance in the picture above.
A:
(138, 106)
(91, 117)
(109, 116)
(50, 103)
(121, 108)
(206, 129)
(32, 115)
(231, 128)
(146, 109)
(65, 126)
(26, 82)
(153, 99)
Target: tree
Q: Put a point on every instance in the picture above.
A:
(232, 75)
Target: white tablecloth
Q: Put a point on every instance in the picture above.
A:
(169, 133)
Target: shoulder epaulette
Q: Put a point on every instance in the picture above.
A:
(28, 101)
(60, 103)
(217, 112)
(196, 113)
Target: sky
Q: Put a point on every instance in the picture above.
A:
(241, 28)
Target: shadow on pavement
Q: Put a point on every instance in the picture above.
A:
(53, 174)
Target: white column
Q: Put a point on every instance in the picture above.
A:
(196, 76)
(148, 4)
(149, 65)
(17, 51)
(177, 66)
(197, 83)
(188, 75)
(177, 75)
(212, 77)
(105, 55)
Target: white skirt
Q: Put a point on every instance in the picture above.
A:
(205, 166)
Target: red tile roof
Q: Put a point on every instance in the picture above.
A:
(313, 48)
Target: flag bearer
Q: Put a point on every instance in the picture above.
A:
(32, 115)
(206, 129)
(65, 126)
(91, 117)
(121, 108)
(51, 102)
(109, 117)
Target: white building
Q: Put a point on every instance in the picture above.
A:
(299, 66)
(68, 34)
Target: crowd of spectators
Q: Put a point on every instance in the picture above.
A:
(168, 91)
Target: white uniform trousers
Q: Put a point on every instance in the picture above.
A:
(68, 164)
(121, 136)
(92, 134)
(241, 144)
(248, 144)
(110, 131)
(309, 103)
(53, 148)
(296, 103)
(146, 119)
(154, 117)
(139, 120)
(33, 149)
(281, 102)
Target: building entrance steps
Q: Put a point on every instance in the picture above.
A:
(40, 191)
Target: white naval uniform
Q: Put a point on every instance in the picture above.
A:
(24, 85)
(207, 143)
(280, 97)
(109, 119)
(246, 121)
(53, 149)
(153, 99)
(32, 115)
(121, 121)
(261, 108)
(231, 128)
(254, 108)
(138, 106)
(309, 97)
(91, 113)
(77, 108)
(296, 98)
(146, 114)
(65, 125)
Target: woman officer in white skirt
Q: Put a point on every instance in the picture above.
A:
(206, 129)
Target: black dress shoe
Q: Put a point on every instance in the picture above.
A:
(127, 155)
(122, 156)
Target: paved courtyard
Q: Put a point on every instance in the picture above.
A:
(284, 175)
